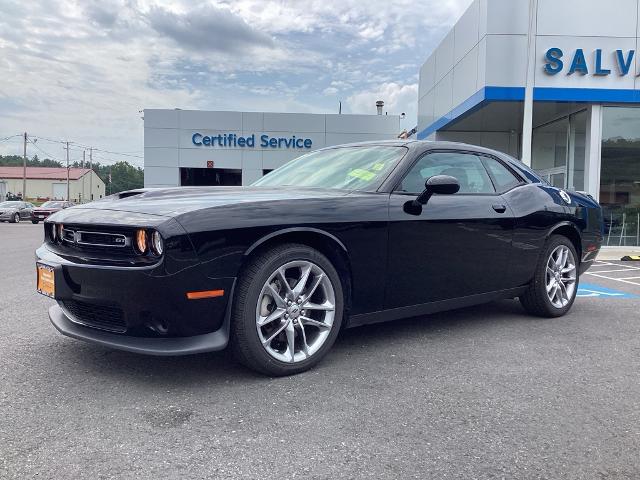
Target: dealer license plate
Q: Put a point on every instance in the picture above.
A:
(46, 284)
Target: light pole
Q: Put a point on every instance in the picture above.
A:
(527, 119)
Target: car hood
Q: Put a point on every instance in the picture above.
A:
(171, 202)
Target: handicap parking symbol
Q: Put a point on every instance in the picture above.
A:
(586, 290)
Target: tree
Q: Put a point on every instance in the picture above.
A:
(16, 161)
(124, 176)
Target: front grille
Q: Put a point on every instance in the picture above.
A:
(101, 239)
(97, 316)
(86, 238)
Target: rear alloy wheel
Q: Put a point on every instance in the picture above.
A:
(16, 218)
(555, 282)
(288, 310)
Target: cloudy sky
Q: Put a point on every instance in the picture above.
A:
(82, 70)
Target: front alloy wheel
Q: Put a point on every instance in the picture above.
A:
(287, 311)
(295, 311)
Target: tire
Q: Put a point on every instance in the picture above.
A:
(253, 303)
(537, 300)
(15, 218)
(35, 222)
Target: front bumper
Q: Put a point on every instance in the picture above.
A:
(209, 342)
(139, 309)
(7, 216)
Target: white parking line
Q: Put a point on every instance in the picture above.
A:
(600, 266)
(615, 279)
(618, 270)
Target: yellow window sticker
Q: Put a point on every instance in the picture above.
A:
(362, 174)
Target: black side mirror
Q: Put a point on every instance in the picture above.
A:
(440, 184)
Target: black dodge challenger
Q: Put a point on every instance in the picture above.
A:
(340, 237)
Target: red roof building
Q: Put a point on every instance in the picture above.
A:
(43, 173)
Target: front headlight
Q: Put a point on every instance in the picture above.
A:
(156, 243)
(141, 240)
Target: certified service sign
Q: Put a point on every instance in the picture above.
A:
(231, 140)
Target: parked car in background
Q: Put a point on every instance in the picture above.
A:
(47, 208)
(14, 211)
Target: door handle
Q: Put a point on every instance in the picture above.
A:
(499, 208)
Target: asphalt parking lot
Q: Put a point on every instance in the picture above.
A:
(484, 392)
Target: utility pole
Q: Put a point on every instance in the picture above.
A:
(67, 148)
(24, 169)
(83, 160)
(91, 174)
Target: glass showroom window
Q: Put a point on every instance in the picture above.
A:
(558, 151)
(620, 175)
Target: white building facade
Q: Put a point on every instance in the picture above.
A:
(44, 183)
(190, 147)
(582, 65)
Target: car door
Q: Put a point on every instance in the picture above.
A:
(22, 210)
(456, 245)
(25, 213)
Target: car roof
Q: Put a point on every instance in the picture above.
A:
(419, 144)
(372, 143)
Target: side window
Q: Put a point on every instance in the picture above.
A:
(503, 177)
(466, 167)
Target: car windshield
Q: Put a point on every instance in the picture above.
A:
(347, 168)
(10, 204)
(53, 204)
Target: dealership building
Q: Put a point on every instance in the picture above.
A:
(578, 62)
(553, 83)
(189, 147)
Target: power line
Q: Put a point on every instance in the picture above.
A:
(49, 156)
(9, 137)
(124, 154)
(117, 153)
